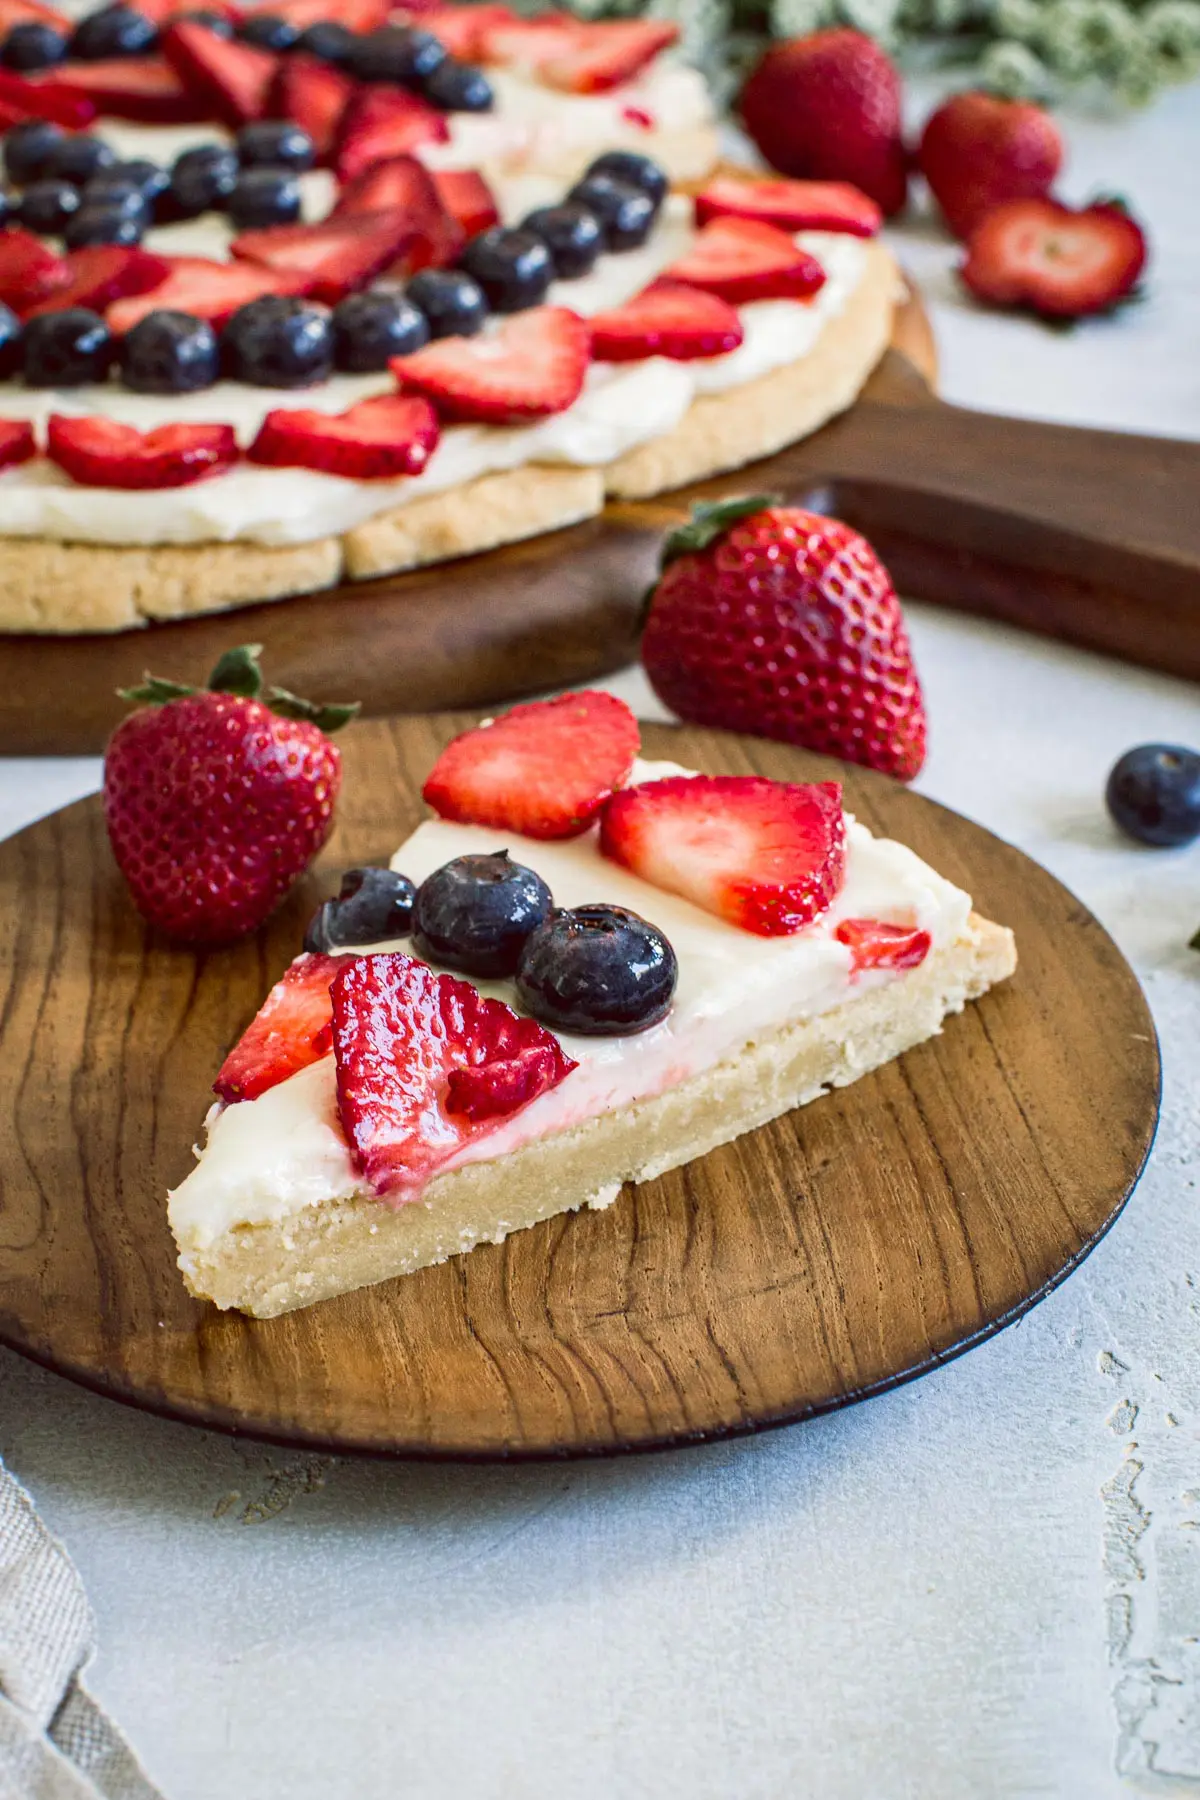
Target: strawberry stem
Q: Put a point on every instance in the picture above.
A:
(328, 716)
(712, 521)
(155, 691)
(238, 672)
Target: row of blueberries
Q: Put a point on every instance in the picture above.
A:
(395, 53)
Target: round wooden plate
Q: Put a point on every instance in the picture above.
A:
(838, 1251)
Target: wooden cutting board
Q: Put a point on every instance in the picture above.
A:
(838, 1251)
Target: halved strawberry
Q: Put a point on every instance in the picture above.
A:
(17, 442)
(382, 121)
(336, 256)
(667, 319)
(208, 290)
(874, 944)
(101, 453)
(527, 43)
(145, 88)
(379, 439)
(742, 260)
(543, 770)
(29, 269)
(292, 1028)
(400, 1035)
(768, 856)
(313, 95)
(355, 15)
(468, 199)
(35, 101)
(235, 79)
(462, 28)
(102, 274)
(530, 366)
(23, 12)
(792, 205)
(608, 54)
(402, 184)
(1053, 259)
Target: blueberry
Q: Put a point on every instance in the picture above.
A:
(373, 907)
(452, 301)
(26, 148)
(170, 353)
(278, 341)
(10, 341)
(396, 53)
(65, 349)
(9, 202)
(625, 213)
(79, 157)
(113, 31)
(149, 178)
(202, 180)
(110, 190)
(46, 206)
(370, 328)
(1153, 793)
(33, 46)
(477, 912)
(457, 87)
(328, 40)
(104, 225)
(215, 22)
(572, 234)
(513, 267)
(267, 31)
(264, 197)
(277, 143)
(634, 170)
(598, 970)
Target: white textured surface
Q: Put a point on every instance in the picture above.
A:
(983, 1587)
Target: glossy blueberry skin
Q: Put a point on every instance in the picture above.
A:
(328, 40)
(113, 31)
(65, 349)
(369, 329)
(400, 53)
(600, 971)
(458, 87)
(149, 178)
(27, 148)
(266, 31)
(513, 267)
(104, 225)
(114, 191)
(170, 353)
(634, 170)
(278, 341)
(46, 206)
(263, 197)
(202, 180)
(625, 213)
(217, 23)
(31, 46)
(1153, 794)
(452, 301)
(10, 341)
(276, 143)
(79, 157)
(372, 907)
(8, 206)
(573, 235)
(476, 913)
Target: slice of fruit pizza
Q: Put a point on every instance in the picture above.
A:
(583, 970)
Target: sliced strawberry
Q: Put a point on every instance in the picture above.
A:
(313, 95)
(24, 12)
(101, 453)
(355, 15)
(145, 88)
(400, 1033)
(792, 205)
(208, 290)
(380, 439)
(36, 101)
(462, 28)
(768, 856)
(608, 54)
(873, 944)
(742, 260)
(382, 121)
(17, 442)
(528, 43)
(402, 184)
(29, 270)
(543, 770)
(293, 1027)
(102, 274)
(667, 319)
(235, 79)
(1054, 260)
(530, 366)
(335, 257)
(468, 199)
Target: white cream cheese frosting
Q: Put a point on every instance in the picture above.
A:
(268, 1159)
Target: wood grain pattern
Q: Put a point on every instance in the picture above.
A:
(844, 1248)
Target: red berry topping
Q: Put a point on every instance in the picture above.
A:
(530, 366)
(355, 15)
(468, 199)
(527, 43)
(17, 442)
(335, 257)
(313, 95)
(608, 54)
(402, 185)
(768, 856)
(102, 274)
(1055, 261)
(100, 453)
(208, 290)
(668, 319)
(783, 623)
(792, 205)
(29, 270)
(463, 28)
(978, 150)
(376, 440)
(232, 78)
(33, 100)
(384, 121)
(400, 1035)
(145, 88)
(292, 1028)
(741, 260)
(874, 944)
(542, 770)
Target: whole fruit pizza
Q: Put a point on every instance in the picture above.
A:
(326, 291)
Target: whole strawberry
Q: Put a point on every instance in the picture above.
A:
(216, 800)
(828, 106)
(978, 150)
(783, 623)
